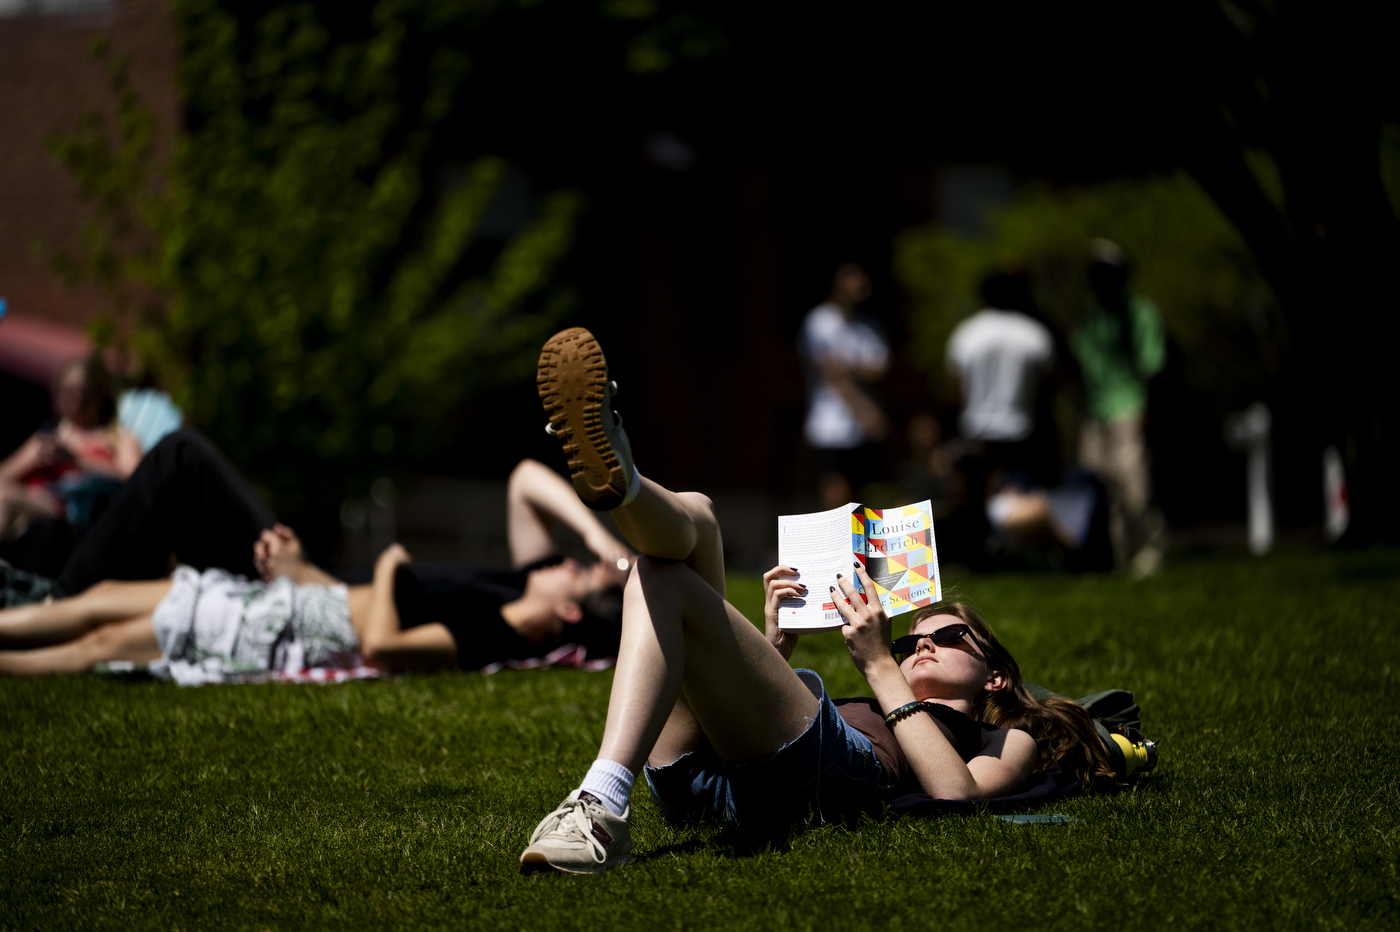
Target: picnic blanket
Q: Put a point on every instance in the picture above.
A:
(566, 655)
(188, 674)
(184, 673)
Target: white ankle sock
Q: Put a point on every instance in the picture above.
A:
(634, 487)
(611, 783)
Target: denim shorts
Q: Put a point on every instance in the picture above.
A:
(830, 770)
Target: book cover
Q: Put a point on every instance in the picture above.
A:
(895, 545)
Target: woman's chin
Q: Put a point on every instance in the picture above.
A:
(930, 687)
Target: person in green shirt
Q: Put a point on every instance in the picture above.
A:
(1120, 345)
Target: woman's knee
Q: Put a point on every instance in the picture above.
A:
(700, 506)
(98, 644)
(521, 474)
(702, 514)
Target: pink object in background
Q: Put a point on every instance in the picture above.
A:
(1336, 501)
(35, 350)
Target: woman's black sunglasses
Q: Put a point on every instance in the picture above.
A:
(948, 634)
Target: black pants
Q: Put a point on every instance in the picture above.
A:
(184, 498)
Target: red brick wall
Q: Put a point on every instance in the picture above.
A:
(48, 80)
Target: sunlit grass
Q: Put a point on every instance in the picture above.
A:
(1271, 685)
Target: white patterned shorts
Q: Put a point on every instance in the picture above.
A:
(227, 626)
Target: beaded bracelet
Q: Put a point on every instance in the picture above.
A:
(903, 712)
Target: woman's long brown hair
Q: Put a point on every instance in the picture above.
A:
(1063, 729)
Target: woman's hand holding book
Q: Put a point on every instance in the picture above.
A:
(778, 584)
(867, 628)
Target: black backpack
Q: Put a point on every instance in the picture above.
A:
(1115, 713)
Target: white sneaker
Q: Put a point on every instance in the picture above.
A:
(580, 837)
(572, 379)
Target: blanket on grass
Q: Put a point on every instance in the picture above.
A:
(191, 674)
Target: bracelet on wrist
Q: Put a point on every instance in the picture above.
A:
(903, 712)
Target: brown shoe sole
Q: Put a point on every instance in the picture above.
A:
(572, 381)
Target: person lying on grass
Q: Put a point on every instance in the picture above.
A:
(297, 616)
(709, 709)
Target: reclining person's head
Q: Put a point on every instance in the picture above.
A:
(581, 599)
(1062, 728)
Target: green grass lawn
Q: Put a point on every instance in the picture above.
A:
(1271, 686)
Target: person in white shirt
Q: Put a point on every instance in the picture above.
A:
(839, 353)
(1001, 356)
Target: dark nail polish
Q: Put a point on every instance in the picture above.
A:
(830, 588)
(856, 565)
(838, 575)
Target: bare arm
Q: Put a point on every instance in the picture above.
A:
(843, 381)
(129, 453)
(383, 643)
(33, 453)
(278, 553)
(1003, 764)
(536, 498)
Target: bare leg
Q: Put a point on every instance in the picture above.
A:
(133, 640)
(65, 619)
(679, 736)
(678, 635)
(682, 526)
(675, 526)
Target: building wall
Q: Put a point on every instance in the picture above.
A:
(48, 80)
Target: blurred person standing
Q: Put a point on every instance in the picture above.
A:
(1120, 345)
(1001, 356)
(840, 352)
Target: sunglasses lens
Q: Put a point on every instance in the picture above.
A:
(949, 635)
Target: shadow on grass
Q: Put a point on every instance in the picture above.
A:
(728, 841)
(676, 848)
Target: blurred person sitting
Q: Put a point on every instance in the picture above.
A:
(840, 352)
(72, 469)
(1061, 528)
(185, 505)
(937, 470)
(1120, 345)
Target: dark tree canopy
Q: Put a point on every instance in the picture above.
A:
(331, 291)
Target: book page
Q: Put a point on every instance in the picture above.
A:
(818, 546)
(902, 557)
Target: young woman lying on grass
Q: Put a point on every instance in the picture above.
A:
(216, 623)
(709, 709)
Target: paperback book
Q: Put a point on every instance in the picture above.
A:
(895, 545)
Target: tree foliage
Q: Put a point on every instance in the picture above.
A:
(1187, 256)
(318, 295)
